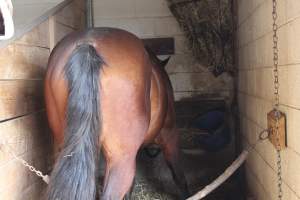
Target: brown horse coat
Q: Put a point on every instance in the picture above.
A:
(136, 106)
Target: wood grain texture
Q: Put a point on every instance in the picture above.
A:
(39, 36)
(279, 141)
(20, 97)
(61, 31)
(71, 16)
(23, 122)
(23, 62)
(29, 138)
(81, 4)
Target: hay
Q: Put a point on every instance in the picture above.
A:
(145, 190)
(208, 25)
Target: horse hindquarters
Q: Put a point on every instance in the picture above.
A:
(74, 174)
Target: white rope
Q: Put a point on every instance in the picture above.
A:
(7, 14)
(222, 178)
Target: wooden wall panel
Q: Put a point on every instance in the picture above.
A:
(23, 122)
(23, 62)
(38, 37)
(67, 20)
(61, 31)
(28, 137)
(81, 4)
(20, 97)
(66, 16)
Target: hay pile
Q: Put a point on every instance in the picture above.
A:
(145, 190)
(208, 25)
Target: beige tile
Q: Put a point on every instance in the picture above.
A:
(142, 27)
(204, 82)
(292, 9)
(153, 8)
(114, 9)
(293, 34)
(281, 10)
(289, 78)
(167, 26)
(256, 189)
(251, 131)
(184, 63)
(265, 83)
(292, 128)
(263, 107)
(283, 45)
(251, 108)
(290, 171)
(263, 165)
(100, 22)
(246, 32)
(146, 27)
(263, 20)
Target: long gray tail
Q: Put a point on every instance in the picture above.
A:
(74, 174)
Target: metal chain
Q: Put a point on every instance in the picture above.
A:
(276, 100)
(26, 164)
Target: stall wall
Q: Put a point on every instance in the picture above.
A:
(255, 93)
(23, 123)
(153, 19)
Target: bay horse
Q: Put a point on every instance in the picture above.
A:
(104, 90)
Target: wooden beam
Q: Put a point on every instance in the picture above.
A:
(160, 46)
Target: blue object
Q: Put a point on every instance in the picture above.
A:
(219, 132)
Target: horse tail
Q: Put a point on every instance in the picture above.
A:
(74, 174)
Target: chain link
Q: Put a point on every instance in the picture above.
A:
(276, 96)
(26, 164)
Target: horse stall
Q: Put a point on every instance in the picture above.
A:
(233, 66)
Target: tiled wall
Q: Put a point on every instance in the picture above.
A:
(255, 92)
(151, 19)
(23, 126)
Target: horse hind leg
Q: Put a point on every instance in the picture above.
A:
(119, 176)
(169, 143)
